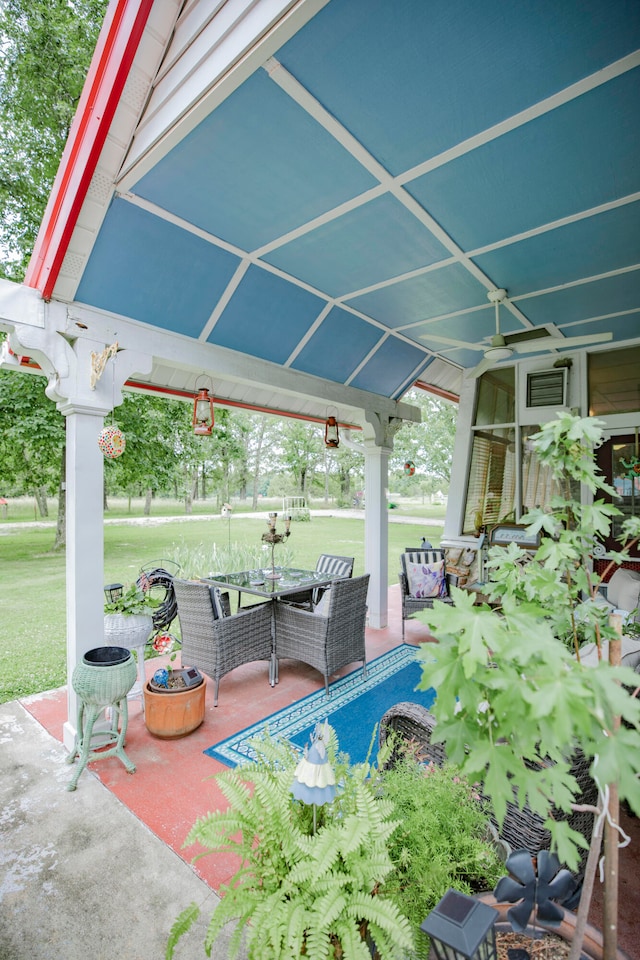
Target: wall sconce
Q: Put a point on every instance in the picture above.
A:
(331, 434)
(461, 928)
(203, 420)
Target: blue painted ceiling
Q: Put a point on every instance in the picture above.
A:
(477, 146)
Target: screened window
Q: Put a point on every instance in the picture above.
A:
(613, 381)
(492, 479)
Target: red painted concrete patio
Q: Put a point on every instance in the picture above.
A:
(173, 784)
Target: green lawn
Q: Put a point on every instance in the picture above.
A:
(32, 589)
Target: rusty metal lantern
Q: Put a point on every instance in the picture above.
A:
(331, 433)
(203, 419)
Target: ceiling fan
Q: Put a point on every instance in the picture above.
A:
(526, 341)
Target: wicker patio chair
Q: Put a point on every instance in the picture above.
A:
(326, 563)
(331, 636)
(521, 829)
(218, 644)
(411, 604)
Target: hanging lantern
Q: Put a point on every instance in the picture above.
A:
(409, 468)
(202, 421)
(112, 443)
(331, 434)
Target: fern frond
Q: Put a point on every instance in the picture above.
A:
(180, 927)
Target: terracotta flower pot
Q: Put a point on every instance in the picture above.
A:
(171, 714)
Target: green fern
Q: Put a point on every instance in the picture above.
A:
(300, 892)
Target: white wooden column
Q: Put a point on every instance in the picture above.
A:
(378, 444)
(376, 532)
(84, 551)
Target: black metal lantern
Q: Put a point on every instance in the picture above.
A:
(331, 434)
(202, 421)
(113, 591)
(461, 928)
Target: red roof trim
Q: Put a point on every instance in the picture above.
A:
(223, 401)
(438, 391)
(120, 35)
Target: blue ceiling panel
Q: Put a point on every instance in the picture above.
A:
(338, 346)
(254, 169)
(387, 370)
(428, 295)
(372, 243)
(266, 316)
(599, 298)
(595, 245)
(146, 268)
(503, 188)
(440, 72)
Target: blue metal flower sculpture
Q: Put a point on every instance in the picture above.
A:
(314, 780)
(533, 889)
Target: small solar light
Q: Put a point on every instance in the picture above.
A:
(113, 592)
(461, 928)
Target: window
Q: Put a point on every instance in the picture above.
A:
(492, 479)
(613, 382)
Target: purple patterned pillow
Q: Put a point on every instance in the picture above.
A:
(426, 580)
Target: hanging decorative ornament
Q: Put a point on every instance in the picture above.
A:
(409, 468)
(112, 442)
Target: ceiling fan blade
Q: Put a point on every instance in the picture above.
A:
(550, 343)
(479, 369)
(448, 341)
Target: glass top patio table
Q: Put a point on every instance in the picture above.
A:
(292, 580)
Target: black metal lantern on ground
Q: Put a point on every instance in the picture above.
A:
(113, 591)
(462, 928)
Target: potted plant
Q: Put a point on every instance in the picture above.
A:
(128, 616)
(309, 880)
(514, 700)
(444, 838)
(174, 701)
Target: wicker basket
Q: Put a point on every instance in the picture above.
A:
(127, 631)
(104, 683)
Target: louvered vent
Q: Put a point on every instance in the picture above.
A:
(547, 388)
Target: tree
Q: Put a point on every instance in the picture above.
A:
(32, 434)
(428, 444)
(46, 50)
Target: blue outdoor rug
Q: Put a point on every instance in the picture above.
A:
(353, 710)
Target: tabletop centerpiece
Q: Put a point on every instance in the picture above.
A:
(273, 537)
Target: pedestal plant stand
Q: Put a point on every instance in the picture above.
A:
(101, 680)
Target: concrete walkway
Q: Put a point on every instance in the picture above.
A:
(81, 878)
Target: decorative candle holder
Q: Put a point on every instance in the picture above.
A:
(272, 537)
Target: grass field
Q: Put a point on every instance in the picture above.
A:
(32, 582)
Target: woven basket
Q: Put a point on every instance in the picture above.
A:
(102, 684)
(127, 631)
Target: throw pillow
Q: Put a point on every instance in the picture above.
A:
(624, 589)
(426, 580)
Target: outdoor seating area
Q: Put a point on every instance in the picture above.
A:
(173, 786)
(317, 617)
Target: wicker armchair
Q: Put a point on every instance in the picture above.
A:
(410, 604)
(522, 829)
(327, 563)
(217, 645)
(329, 637)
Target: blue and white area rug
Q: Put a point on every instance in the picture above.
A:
(353, 710)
